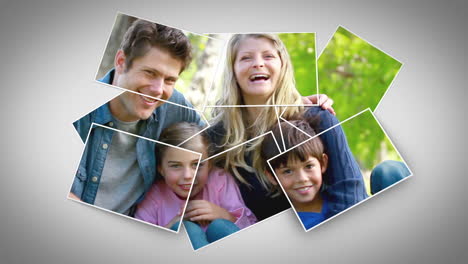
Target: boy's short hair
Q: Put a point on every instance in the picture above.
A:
(143, 35)
(292, 137)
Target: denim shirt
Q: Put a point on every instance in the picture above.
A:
(88, 175)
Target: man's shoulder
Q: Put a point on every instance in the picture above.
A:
(108, 77)
(178, 98)
(100, 115)
(175, 104)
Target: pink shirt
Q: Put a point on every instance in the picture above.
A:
(161, 204)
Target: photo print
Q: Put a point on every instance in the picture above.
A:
(156, 57)
(194, 137)
(233, 197)
(325, 172)
(138, 177)
(254, 64)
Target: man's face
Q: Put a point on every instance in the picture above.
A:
(153, 74)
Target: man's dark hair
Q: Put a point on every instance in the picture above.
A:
(142, 35)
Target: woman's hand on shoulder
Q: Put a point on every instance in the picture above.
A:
(322, 100)
(201, 210)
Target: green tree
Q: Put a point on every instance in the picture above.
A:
(356, 75)
(301, 49)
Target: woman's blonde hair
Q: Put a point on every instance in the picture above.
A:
(235, 119)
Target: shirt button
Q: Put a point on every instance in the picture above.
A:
(94, 179)
(105, 146)
(111, 124)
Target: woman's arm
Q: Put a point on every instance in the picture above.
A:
(343, 179)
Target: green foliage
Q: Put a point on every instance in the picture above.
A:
(198, 46)
(356, 75)
(368, 142)
(301, 49)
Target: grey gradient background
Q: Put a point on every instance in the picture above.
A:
(50, 52)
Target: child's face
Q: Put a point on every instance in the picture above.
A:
(178, 169)
(301, 180)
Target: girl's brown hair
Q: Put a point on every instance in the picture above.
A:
(180, 132)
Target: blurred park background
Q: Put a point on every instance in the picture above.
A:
(369, 143)
(354, 73)
(301, 49)
(351, 71)
(356, 76)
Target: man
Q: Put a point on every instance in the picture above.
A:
(117, 169)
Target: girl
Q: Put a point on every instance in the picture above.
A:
(259, 72)
(215, 208)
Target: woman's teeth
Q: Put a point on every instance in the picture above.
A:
(149, 100)
(304, 190)
(185, 186)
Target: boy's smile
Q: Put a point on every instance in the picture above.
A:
(301, 180)
(153, 74)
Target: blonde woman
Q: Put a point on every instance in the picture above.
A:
(259, 72)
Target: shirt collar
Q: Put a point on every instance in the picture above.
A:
(103, 114)
(109, 77)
